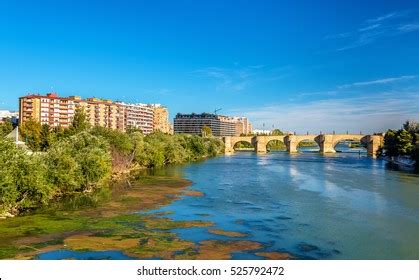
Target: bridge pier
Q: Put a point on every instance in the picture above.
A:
(374, 142)
(260, 146)
(291, 143)
(228, 147)
(326, 144)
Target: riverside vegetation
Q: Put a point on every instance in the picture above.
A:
(403, 142)
(79, 159)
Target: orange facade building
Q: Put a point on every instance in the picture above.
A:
(55, 111)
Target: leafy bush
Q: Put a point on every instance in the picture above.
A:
(403, 142)
(23, 181)
(80, 158)
(6, 127)
(79, 162)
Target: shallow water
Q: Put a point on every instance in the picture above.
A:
(83, 255)
(342, 206)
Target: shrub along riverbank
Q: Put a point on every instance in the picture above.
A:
(402, 144)
(80, 159)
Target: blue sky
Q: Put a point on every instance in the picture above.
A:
(295, 65)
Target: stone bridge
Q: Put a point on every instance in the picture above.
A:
(326, 142)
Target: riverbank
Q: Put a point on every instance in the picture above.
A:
(402, 162)
(116, 219)
(76, 162)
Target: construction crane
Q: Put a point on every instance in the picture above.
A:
(216, 110)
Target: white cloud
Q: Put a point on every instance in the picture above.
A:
(410, 27)
(388, 16)
(238, 79)
(339, 35)
(388, 25)
(226, 79)
(367, 114)
(379, 81)
(370, 27)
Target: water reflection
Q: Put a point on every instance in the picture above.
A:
(342, 206)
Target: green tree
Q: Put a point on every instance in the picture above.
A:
(411, 126)
(132, 129)
(79, 163)
(174, 151)
(80, 122)
(23, 181)
(31, 134)
(153, 155)
(118, 140)
(196, 146)
(276, 145)
(277, 132)
(93, 157)
(214, 147)
(46, 137)
(243, 145)
(404, 143)
(6, 127)
(63, 169)
(390, 143)
(206, 131)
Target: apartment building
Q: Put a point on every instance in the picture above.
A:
(139, 116)
(56, 111)
(193, 124)
(47, 109)
(161, 119)
(243, 126)
(103, 113)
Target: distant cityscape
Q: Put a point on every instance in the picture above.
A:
(57, 111)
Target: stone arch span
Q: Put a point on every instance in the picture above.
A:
(310, 138)
(262, 141)
(248, 139)
(292, 141)
(326, 142)
(354, 137)
(231, 141)
(274, 142)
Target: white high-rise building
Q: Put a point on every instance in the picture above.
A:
(139, 116)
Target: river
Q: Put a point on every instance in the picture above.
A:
(312, 206)
(342, 206)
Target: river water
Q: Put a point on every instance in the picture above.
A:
(340, 206)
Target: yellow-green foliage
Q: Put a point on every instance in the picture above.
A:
(78, 162)
(81, 158)
(22, 179)
(6, 127)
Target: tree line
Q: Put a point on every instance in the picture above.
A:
(81, 158)
(402, 142)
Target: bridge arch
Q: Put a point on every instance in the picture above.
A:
(247, 145)
(339, 138)
(248, 139)
(311, 146)
(275, 145)
(263, 141)
(342, 138)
